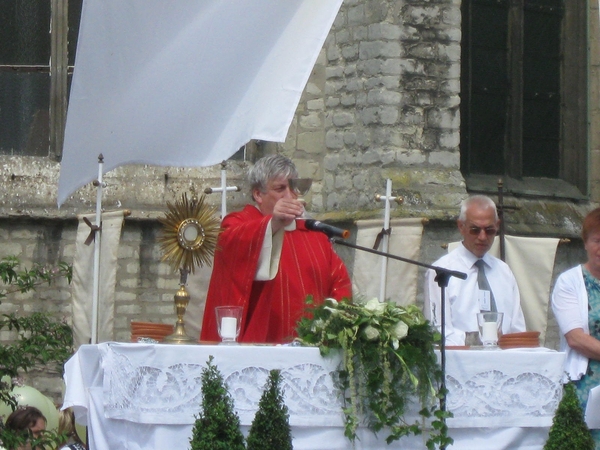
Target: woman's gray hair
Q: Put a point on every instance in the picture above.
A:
(268, 168)
(482, 202)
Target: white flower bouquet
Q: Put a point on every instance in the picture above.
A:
(388, 362)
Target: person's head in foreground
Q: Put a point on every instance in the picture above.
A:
(27, 419)
(478, 223)
(66, 426)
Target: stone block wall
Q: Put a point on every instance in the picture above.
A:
(382, 102)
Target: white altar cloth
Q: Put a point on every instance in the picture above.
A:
(144, 396)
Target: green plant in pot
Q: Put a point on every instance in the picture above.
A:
(270, 428)
(569, 430)
(217, 427)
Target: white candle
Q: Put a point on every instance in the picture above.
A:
(489, 332)
(228, 327)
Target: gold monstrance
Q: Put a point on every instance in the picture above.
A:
(188, 240)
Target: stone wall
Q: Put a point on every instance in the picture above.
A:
(382, 102)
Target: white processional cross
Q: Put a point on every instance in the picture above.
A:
(223, 189)
(385, 235)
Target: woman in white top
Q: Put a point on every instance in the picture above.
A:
(576, 306)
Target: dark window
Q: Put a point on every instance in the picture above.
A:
(521, 65)
(34, 66)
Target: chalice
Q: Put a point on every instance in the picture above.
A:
(301, 186)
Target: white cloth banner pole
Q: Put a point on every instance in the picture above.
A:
(97, 240)
(401, 285)
(223, 193)
(223, 189)
(82, 286)
(385, 241)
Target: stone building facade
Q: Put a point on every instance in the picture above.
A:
(383, 101)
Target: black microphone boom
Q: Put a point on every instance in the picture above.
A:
(329, 230)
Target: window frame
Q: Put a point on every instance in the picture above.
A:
(573, 179)
(58, 70)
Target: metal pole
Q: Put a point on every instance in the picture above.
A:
(97, 237)
(385, 241)
(223, 191)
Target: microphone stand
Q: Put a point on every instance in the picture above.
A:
(442, 278)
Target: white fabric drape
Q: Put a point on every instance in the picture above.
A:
(401, 277)
(532, 262)
(83, 276)
(186, 83)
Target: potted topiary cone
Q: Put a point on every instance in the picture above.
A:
(217, 427)
(569, 430)
(270, 428)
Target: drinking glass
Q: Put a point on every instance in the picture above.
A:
(229, 321)
(490, 328)
(301, 186)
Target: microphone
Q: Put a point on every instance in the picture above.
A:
(329, 230)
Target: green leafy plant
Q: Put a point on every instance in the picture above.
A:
(40, 340)
(569, 430)
(270, 428)
(388, 362)
(217, 427)
(19, 440)
(25, 280)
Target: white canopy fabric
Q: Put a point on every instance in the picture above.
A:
(185, 83)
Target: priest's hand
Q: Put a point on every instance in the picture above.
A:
(285, 211)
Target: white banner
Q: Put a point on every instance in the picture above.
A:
(186, 82)
(82, 287)
(400, 277)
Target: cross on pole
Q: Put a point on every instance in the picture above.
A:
(384, 235)
(223, 189)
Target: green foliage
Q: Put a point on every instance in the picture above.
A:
(15, 440)
(270, 428)
(40, 340)
(389, 360)
(27, 280)
(217, 427)
(569, 430)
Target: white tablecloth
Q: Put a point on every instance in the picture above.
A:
(143, 396)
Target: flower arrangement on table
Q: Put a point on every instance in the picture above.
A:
(388, 362)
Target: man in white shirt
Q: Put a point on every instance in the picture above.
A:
(478, 224)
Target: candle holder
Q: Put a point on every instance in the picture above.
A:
(229, 321)
(490, 328)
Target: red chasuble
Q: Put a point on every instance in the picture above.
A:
(308, 266)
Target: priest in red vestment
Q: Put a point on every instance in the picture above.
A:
(268, 262)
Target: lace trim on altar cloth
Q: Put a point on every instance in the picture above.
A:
(495, 399)
(172, 395)
(478, 397)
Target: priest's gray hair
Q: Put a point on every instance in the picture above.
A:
(269, 168)
(481, 202)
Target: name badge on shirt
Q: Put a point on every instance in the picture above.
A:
(485, 303)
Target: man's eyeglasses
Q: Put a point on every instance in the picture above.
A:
(489, 231)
